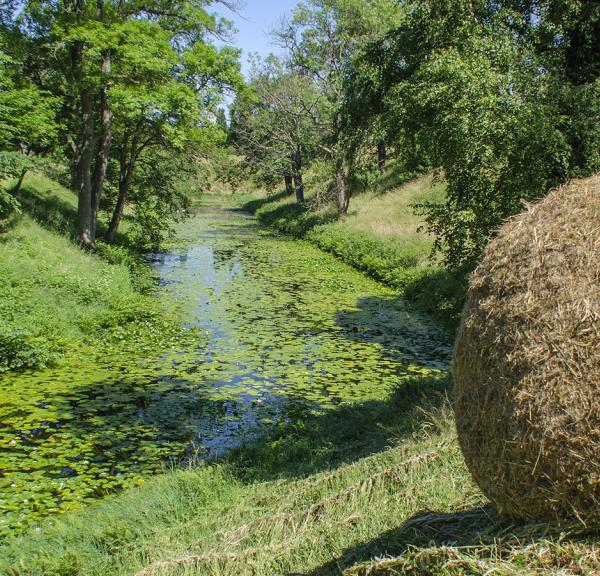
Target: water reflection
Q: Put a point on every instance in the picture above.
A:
(286, 324)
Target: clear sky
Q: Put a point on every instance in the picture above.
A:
(254, 23)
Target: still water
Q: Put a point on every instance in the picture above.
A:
(280, 330)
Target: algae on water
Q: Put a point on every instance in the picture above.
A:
(284, 329)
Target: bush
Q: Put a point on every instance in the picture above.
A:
(21, 349)
(376, 257)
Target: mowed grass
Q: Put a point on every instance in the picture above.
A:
(374, 488)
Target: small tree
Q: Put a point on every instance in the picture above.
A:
(276, 126)
(27, 126)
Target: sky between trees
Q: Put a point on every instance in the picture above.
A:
(254, 24)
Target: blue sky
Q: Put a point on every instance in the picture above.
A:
(254, 24)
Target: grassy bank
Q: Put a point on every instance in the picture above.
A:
(375, 488)
(381, 236)
(57, 298)
(82, 339)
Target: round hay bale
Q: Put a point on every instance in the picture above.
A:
(527, 361)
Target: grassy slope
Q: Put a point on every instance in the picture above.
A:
(54, 295)
(380, 236)
(331, 495)
(388, 214)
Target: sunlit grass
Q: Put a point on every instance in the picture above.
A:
(391, 214)
(51, 289)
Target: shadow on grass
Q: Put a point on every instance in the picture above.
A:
(468, 527)
(48, 209)
(470, 541)
(256, 203)
(392, 179)
(7, 222)
(56, 214)
(308, 443)
(290, 218)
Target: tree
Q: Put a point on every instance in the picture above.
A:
(27, 125)
(106, 47)
(276, 125)
(486, 93)
(221, 120)
(320, 39)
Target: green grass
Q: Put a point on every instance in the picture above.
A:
(373, 488)
(332, 493)
(387, 212)
(381, 236)
(54, 295)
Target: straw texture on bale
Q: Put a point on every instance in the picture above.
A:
(527, 361)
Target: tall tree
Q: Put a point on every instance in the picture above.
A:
(276, 126)
(488, 93)
(101, 44)
(320, 39)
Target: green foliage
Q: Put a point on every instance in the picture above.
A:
(159, 128)
(27, 114)
(120, 85)
(13, 164)
(48, 287)
(29, 347)
(367, 253)
(474, 110)
(492, 94)
(439, 292)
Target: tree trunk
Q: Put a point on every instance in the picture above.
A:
(125, 175)
(341, 192)
(103, 151)
(83, 229)
(297, 174)
(19, 183)
(299, 187)
(117, 214)
(381, 156)
(83, 233)
(289, 184)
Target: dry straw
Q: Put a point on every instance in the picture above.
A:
(527, 361)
